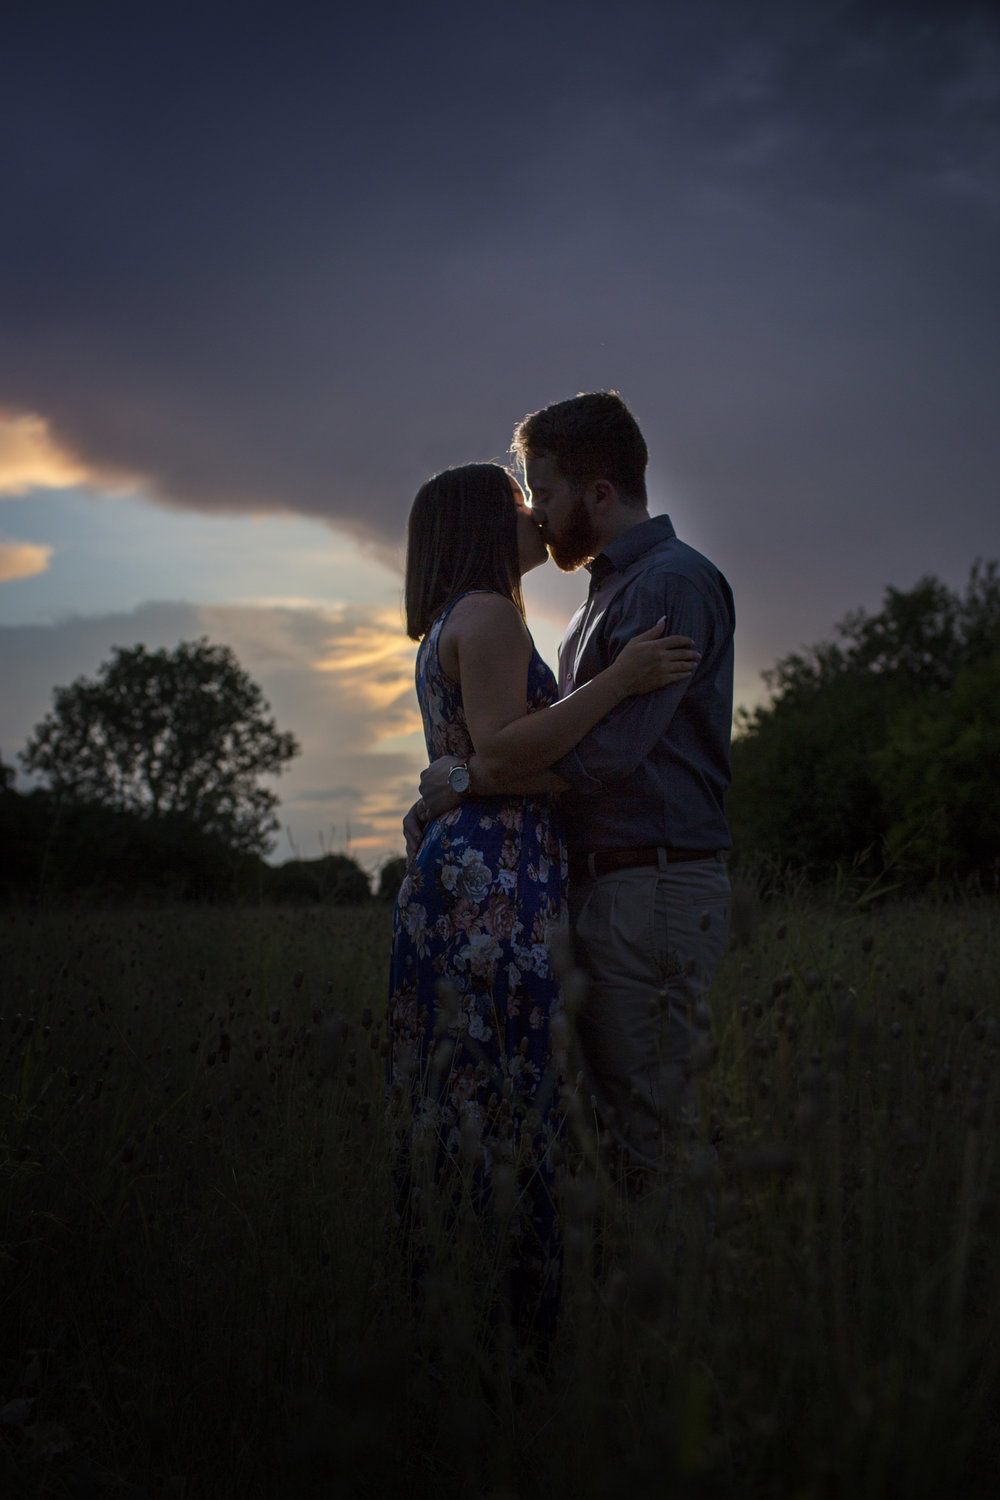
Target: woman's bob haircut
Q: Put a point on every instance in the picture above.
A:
(462, 535)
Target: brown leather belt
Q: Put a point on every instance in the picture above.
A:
(589, 864)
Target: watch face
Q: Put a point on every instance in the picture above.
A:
(459, 778)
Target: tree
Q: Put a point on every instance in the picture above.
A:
(180, 735)
(868, 742)
(939, 770)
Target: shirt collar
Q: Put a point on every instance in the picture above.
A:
(628, 548)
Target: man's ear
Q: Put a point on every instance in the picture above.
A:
(604, 496)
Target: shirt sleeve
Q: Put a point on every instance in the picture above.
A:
(625, 737)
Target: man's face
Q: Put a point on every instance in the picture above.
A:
(531, 551)
(560, 505)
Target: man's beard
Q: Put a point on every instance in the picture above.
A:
(577, 542)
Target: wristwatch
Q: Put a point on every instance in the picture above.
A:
(459, 778)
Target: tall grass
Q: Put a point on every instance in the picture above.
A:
(204, 1292)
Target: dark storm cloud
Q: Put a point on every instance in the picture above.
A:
(279, 258)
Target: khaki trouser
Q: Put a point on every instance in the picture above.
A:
(649, 939)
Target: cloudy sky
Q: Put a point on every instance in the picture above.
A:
(264, 268)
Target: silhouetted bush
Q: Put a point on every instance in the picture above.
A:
(334, 880)
(391, 878)
(59, 848)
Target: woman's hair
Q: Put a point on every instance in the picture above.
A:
(462, 535)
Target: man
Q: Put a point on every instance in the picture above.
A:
(643, 792)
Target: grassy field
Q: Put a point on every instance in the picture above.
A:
(203, 1294)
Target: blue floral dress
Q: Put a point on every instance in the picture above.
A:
(472, 989)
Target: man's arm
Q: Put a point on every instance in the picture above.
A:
(615, 747)
(620, 743)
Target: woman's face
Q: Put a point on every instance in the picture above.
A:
(531, 550)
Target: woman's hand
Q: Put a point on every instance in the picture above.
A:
(436, 795)
(652, 660)
(414, 825)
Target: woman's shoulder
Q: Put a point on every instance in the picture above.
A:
(483, 622)
(473, 604)
(483, 612)
(484, 605)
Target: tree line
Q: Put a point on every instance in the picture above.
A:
(878, 750)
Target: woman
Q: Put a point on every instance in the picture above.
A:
(471, 989)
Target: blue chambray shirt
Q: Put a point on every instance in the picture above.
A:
(655, 770)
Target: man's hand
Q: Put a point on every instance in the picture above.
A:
(414, 824)
(435, 792)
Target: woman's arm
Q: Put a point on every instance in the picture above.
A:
(486, 646)
(437, 797)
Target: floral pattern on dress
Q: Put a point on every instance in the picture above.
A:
(472, 990)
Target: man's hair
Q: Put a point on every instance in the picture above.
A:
(593, 436)
(462, 535)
